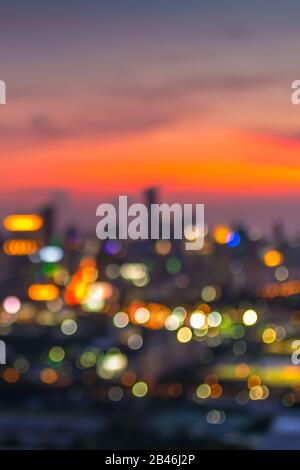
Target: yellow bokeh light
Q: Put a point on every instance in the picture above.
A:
(269, 336)
(140, 389)
(272, 258)
(23, 222)
(184, 335)
(250, 317)
(256, 393)
(221, 234)
(203, 391)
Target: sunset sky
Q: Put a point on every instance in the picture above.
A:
(109, 97)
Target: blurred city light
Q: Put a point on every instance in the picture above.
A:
(43, 292)
(23, 223)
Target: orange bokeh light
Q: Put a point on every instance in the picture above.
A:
(44, 292)
(23, 222)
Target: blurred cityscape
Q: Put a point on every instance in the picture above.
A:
(143, 345)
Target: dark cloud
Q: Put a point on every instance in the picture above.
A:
(279, 136)
(191, 86)
(43, 128)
